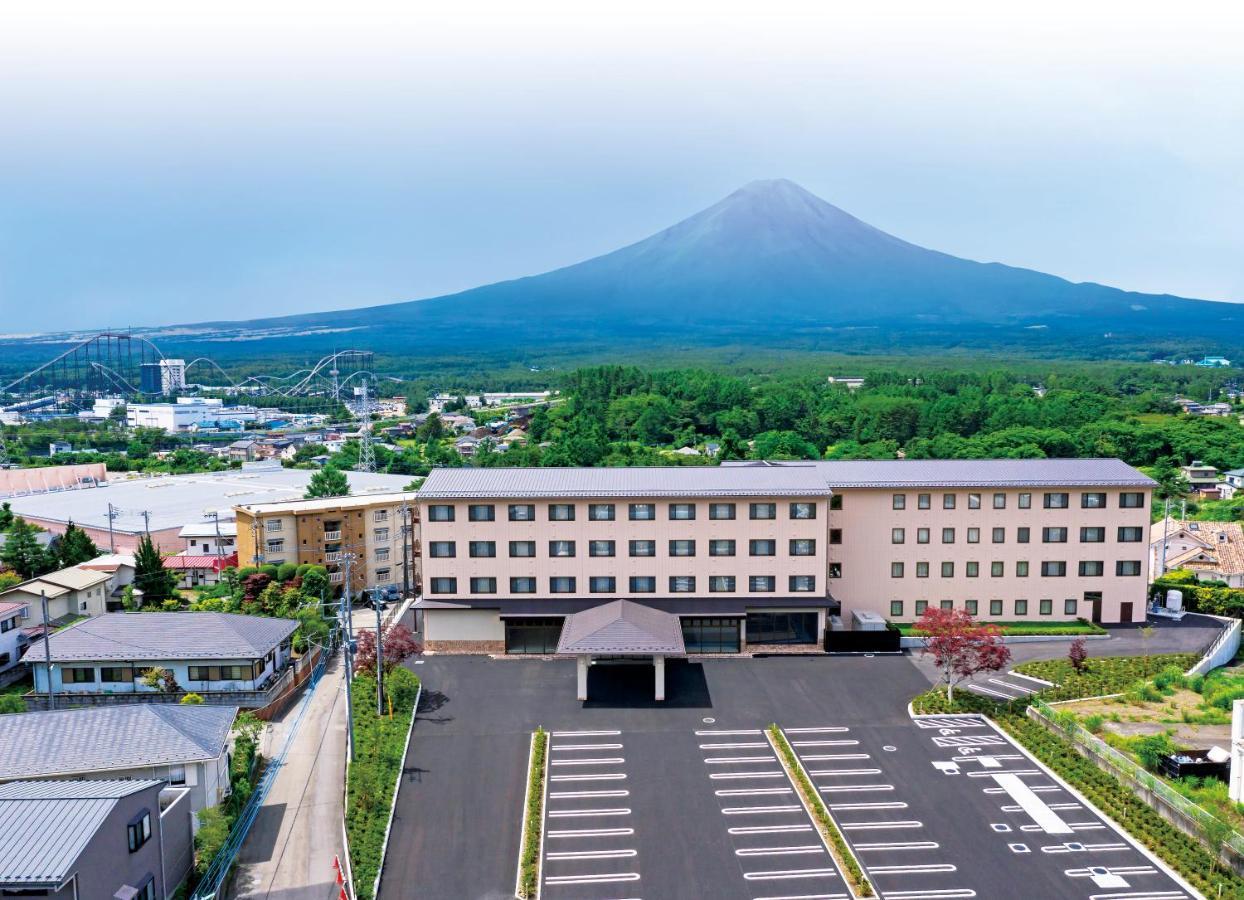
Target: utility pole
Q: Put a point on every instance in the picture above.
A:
(379, 658)
(112, 516)
(47, 648)
(147, 522)
(1166, 529)
(406, 538)
(345, 620)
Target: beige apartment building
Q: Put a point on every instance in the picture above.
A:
(366, 530)
(751, 555)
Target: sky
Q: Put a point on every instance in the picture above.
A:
(167, 163)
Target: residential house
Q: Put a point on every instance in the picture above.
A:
(12, 641)
(1201, 478)
(466, 445)
(197, 570)
(243, 450)
(76, 591)
(1215, 362)
(121, 568)
(850, 382)
(1213, 551)
(183, 746)
(211, 538)
(229, 659)
(56, 447)
(1234, 477)
(94, 840)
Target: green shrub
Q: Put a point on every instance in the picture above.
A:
(1094, 723)
(529, 864)
(270, 570)
(213, 831)
(246, 572)
(1102, 675)
(285, 572)
(11, 703)
(1151, 749)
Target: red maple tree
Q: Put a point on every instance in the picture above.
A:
(961, 646)
(399, 644)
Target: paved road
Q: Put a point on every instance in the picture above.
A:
(289, 851)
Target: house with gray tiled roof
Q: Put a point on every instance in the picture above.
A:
(181, 745)
(222, 656)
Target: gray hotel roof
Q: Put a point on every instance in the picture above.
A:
(103, 738)
(913, 473)
(45, 825)
(636, 481)
(152, 637)
(622, 627)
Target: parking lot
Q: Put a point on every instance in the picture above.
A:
(688, 799)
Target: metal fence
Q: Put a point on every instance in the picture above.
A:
(1131, 772)
(1221, 650)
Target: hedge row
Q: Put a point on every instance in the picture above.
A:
(1018, 629)
(533, 824)
(1215, 600)
(379, 750)
(860, 885)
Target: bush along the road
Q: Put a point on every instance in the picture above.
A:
(379, 746)
(215, 822)
(533, 817)
(850, 866)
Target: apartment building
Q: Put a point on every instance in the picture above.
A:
(737, 554)
(757, 554)
(366, 529)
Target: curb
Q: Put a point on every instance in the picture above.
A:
(388, 828)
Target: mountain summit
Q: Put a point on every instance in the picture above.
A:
(769, 261)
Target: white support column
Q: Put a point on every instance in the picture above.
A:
(1236, 784)
(582, 661)
(658, 663)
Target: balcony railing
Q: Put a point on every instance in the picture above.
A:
(336, 577)
(332, 556)
(332, 535)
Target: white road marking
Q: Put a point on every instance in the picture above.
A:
(854, 788)
(744, 810)
(968, 740)
(946, 894)
(900, 845)
(1089, 848)
(993, 774)
(1015, 687)
(984, 690)
(592, 879)
(808, 897)
(934, 721)
(829, 729)
(790, 873)
(881, 826)
(768, 829)
(593, 832)
(585, 733)
(726, 776)
(592, 854)
(715, 760)
(603, 776)
(735, 745)
(832, 772)
(569, 747)
(565, 795)
(895, 804)
(780, 851)
(906, 870)
(1033, 805)
(826, 757)
(598, 761)
(1142, 895)
(838, 743)
(736, 731)
(751, 792)
(586, 813)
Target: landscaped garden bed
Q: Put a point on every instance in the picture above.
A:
(1100, 675)
(533, 817)
(1079, 627)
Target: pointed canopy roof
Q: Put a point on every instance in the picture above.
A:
(622, 628)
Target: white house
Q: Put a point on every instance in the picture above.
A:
(76, 591)
(12, 641)
(1213, 551)
(210, 538)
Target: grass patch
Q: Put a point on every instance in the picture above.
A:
(1020, 629)
(379, 749)
(533, 817)
(1101, 674)
(859, 884)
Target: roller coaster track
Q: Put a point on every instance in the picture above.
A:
(76, 348)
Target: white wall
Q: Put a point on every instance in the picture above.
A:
(463, 625)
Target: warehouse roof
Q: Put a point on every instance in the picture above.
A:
(637, 481)
(45, 825)
(149, 637)
(102, 738)
(912, 473)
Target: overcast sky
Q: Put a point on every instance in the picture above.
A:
(159, 164)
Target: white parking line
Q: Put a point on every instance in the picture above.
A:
(838, 743)
(592, 879)
(854, 788)
(880, 826)
(905, 870)
(808, 897)
(727, 776)
(899, 845)
(585, 733)
(569, 747)
(1142, 895)
(826, 757)
(586, 813)
(599, 761)
(710, 731)
(930, 895)
(768, 829)
(832, 728)
(790, 873)
(592, 854)
(801, 850)
(602, 776)
(895, 804)
(746, 810)
(751, 792)
(716, 760)
(1015, 687)
(984, 690)
(566, 795)
(816, 773)
(994, 772)
(592, 832)
(735, 745)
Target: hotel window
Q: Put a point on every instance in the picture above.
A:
(483, 549)
(999, 501)
(1131, 499)
(1021, 568)
(898, 501)
(562, 584)
(682, 584)
(561, 548)
(921, 606)
(1051, 535)
(948, 501)
(835, 501)
(835, 570)
(1069, 606)
(642, 512)
(561, 512)
(682, 548)
(382, 554)
(999, 535)
(444, 585)
(522, 585)
(948, 535)
(803, 547)
(946, 604)
(948, 570)
(522, 512)
(896, 607)
(803, 510)
(483, 585)
(1021, 534)
(1025, 501)
(1127, 567)
(380, 534)
(997, 569)
(974, 501)
(522, 548)
(481, 512)
(1130, 534)
(898, 535)
(802, 584)
(971, 606)
(682, 511)
(600, 512)
(441, 512)
(721, 584)
(1090, 568)
(721, 547)
(1053, 569)
(643, 548)
(1057, 501)
(924, 501)
(600, 548)
(762, 584)
(974, 535)
(762, 547)
(835, 535)
(762, 510)
(643, 584)
(896, 570)
(995, 607)
(1021, 607)
(274, 525)
(442, 549)
(922, 535)
(721, 511)
(1045, 607)
(602, 584)
(138, 831)
(922, 570)
(1092, 501)
(972, 569)
(380, 515)
(1095, 535)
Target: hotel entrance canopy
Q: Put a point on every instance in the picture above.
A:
(621, 628)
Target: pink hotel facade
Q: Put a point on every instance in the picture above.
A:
(752, 555)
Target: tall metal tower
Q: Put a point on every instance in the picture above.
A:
(4, 451)
(367, 453)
